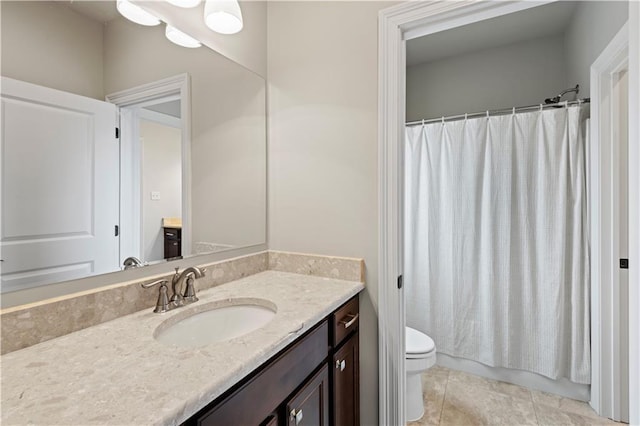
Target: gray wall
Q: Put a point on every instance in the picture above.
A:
(502, 77)
(592, 27)
(162, 172)
(52, 46)
(323, 168)
(518, 74)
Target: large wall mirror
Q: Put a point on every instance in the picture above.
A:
(185, 176)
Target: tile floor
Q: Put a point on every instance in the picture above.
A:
(456, 398)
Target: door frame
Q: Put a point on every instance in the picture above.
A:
(415, 19)
(180, 86)
(634, 210)
(606, 398)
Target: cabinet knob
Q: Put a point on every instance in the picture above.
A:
(296, 416)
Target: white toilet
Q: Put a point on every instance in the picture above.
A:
(420, 355)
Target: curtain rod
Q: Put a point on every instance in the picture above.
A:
(499, 112)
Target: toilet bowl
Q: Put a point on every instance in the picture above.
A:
(420, 354)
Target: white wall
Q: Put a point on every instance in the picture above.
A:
(161, 172)
(322, 69)
(514, 75)
(593, 26)
(49, 44)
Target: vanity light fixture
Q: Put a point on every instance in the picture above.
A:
(181, 39)
(136, 14)
(184, 3)
(223, 16)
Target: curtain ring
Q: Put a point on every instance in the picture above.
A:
(514, 111)
(566, 104)
(443, 120)
(465, 116)
(423, 121)
(541, 107)
(487, 113)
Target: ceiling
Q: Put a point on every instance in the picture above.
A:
(171, 108)
(100, 11)
(547, 20)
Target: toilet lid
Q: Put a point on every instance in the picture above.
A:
(417, 342)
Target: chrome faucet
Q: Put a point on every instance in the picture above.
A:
(132, 262)
(188, 275)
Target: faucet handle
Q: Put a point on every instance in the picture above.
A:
(148, 285)
(162, 305)
(190, 291)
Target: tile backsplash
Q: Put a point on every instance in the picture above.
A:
(343, 268)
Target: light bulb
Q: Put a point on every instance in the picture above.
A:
(184, 3)
(136, 14)
(181, 39)
(223, 16)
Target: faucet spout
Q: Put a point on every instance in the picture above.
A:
(176, 284)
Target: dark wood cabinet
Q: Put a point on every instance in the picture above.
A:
(310, 405)
(313, 381)
(345, 364)
(264, 392)
(272, 420)
(346, 379)
(172, 242)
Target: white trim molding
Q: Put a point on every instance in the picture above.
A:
(391, 318)
(606, 340)
(634, 212)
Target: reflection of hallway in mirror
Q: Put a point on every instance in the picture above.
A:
(161, 183)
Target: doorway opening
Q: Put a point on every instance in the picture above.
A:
(397, 25)
(155, 170)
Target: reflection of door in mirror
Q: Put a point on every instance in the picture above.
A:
(60, 189)
(152, 150)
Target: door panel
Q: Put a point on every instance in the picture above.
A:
(60, 186)
(310, 406)
(346, 376)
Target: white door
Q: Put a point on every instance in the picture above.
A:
(60, 186)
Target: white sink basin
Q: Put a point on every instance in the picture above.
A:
(215, 323)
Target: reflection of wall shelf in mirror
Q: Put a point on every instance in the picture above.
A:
(172, 230)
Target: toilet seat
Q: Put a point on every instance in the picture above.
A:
(418, 344)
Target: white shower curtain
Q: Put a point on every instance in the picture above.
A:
(496, 244)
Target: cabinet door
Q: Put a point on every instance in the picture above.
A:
(272, 420)
(346, 383)
(310, 405)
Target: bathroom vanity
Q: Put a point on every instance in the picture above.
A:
(314, 381)
(299, 368)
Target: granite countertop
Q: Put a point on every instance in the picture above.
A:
(117, 373)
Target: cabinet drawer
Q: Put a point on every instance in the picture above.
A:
(171, 233)
(259, 397)
(344, 321)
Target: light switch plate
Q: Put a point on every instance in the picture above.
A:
(155, 195)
